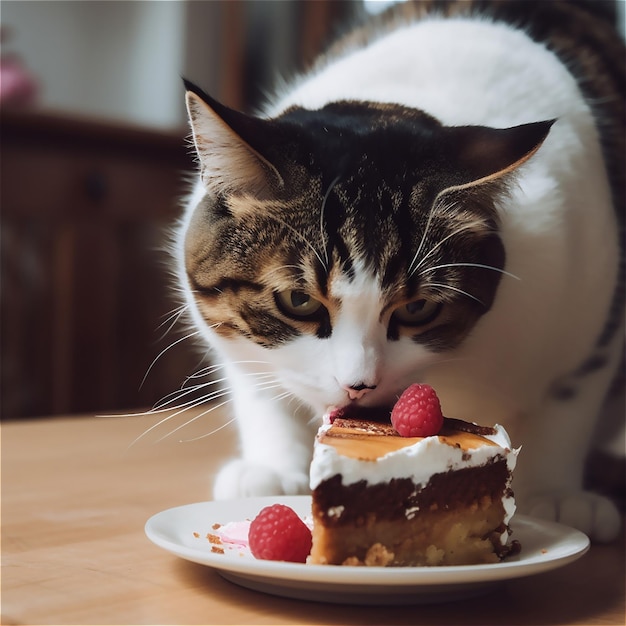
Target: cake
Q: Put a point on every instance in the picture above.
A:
(382, 499)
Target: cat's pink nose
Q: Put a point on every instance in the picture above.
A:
(356, 392)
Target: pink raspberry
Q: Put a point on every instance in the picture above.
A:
(417, 413)
(278, 534)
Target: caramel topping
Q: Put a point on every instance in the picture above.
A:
(367, 441)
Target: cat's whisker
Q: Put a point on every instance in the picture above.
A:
(264, 377)
(171, 402)
(281, 267)
(173, 314)
(195, 418)
(282, 395)
(416, 266)
(198, 402)
(210, 369)
(458, 290)
(323, 234)
(158, 356)
(205, 371)
(253, 362)
(411, 269)
(172, 320)
(190, 404)
(171, 398)
(272, 384)
(304, 239)
(480, 265)
(299, 404)
(454, 233)
(130, 414)
(215, 430)
(202, 373)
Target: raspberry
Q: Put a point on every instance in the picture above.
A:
(417, 413)
(278, 534)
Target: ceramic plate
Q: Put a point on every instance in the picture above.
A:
(183, 531)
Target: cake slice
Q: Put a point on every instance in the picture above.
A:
(379, 498)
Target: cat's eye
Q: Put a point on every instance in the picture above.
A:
(417, 312)
(297, 304)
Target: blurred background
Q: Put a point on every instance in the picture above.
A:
(93, 168)
(94, 164)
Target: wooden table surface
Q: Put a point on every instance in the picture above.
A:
(76, 496)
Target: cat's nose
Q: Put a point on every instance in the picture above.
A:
(356, 392)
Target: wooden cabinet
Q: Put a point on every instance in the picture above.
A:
(85, 212)
(85, 209)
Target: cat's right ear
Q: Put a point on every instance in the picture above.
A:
(224, 140)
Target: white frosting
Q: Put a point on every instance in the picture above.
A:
(418, 462)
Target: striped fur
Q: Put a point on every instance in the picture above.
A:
(440, 199)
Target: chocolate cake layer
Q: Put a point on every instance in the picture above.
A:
(335, 504)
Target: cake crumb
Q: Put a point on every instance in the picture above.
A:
(434, 555)
(378, 555)
(214, 539)
(321, 561)
(196, 535)
(335, 511)
(217, 550)
(353, 561)
(216, 526)
(411, 512)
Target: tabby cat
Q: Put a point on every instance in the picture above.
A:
(440, 199)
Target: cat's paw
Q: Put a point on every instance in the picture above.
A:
(242, 479)
(589, 512)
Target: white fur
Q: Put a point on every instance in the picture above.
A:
(559, 232)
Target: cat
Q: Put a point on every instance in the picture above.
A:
(441, 200)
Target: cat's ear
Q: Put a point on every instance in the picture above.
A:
(225, 142)
(482, 154)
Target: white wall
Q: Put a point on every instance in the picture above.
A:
(123, 59)
(117, 60)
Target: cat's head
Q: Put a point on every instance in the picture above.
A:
(346, 247)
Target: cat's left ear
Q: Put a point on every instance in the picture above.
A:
(481, 154)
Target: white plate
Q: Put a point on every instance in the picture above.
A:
(183, 531)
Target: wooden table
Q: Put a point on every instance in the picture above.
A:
(75, 498)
